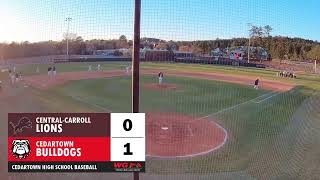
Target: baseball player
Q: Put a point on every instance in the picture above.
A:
(89, 68)
(49, 71)
(16, 77)
(54, 70)
(37, 70)
(128, 69)
(12, 77)
(256, 84)
(160, 76)
(98, 67)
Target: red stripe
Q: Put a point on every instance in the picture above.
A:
(91, 149)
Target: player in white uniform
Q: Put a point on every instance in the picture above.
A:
(128, 69)
(12, 77)
(160, 76)
(89, 68)
(98, 67)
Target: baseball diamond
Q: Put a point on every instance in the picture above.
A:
(199, 117)
(168, 90)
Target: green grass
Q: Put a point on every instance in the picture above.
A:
(308, 80)
(277, 137)
(192, 96)
(252, 127)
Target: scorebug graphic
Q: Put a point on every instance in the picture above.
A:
(87, 142)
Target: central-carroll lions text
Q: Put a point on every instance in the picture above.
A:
(55, 124)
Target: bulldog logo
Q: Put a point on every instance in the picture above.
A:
(23, 123)
(20, 148)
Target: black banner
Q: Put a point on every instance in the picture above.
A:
(76, 167)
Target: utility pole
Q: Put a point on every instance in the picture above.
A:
(249, 25)
(136, 64)
(68, 19)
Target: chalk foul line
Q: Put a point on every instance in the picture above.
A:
(269, 97)
(233, 107)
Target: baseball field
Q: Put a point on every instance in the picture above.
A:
(207, 121)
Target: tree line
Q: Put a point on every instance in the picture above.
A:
(279, 47)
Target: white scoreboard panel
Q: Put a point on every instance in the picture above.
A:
(127, 136)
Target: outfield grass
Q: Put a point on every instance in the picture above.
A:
(192, 96)
(308, 80)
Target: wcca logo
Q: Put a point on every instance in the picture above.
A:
(127, 165)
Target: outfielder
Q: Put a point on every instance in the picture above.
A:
(12, 77)
(16, 77)
(160, 76)
(256, 84)
(49, 71)
(54, 70)
(128, 69)
(98, 67)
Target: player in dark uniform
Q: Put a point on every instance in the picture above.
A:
(49, 71)
(54, 70)
(17, 76)
(256, 84)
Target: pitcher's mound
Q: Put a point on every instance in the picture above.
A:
(165, 86)
(172, 135)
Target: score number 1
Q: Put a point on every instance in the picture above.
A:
(127, 126)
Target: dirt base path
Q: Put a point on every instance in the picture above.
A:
(45, 82)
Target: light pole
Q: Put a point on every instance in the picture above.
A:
(68, 19)
(249, 25)
(315, 65)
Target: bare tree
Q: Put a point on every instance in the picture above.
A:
(267, 30)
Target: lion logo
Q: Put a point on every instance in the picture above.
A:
(20, 148)
(24, 122)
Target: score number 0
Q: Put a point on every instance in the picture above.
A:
(127, 126)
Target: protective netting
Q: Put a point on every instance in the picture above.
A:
(207, 116)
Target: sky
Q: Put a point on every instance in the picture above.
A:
(34, 20)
